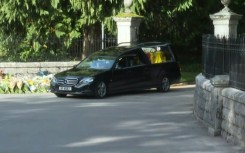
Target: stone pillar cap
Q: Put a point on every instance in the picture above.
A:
(226, 12)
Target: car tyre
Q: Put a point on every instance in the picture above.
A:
(100, 90)
(60, 95)
(165, 85)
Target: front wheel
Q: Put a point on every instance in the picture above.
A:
(165, 85)
(100, 90)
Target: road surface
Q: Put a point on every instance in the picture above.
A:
(136, 122)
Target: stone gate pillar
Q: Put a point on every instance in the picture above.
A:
(208, 91)
(127, 25)
(225, 21)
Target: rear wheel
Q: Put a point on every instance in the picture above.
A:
(60, 95)
(100, 90)
(165, 85)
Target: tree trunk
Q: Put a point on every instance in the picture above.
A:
(91, 41)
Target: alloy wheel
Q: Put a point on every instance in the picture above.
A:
(101, 90)
(165, 85)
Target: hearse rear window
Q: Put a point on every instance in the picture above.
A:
(158, 54)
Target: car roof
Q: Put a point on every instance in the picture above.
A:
(155, 43)
(116, 51)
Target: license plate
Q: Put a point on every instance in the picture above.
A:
(65, 88)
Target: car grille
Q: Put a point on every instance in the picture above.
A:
(67, 82)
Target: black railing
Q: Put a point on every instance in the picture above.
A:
(214, 52)
(225, 56)
(237, 66)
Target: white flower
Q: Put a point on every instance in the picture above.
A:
(32, 88)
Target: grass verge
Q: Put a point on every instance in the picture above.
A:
(188, 77)
(189, 71)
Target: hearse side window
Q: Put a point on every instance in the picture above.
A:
(129, 60)
(158, 54)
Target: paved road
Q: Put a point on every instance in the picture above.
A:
(146, 122)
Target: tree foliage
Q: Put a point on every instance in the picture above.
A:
(183, 21)
(28, 26)
(171, 20)
(38, 22)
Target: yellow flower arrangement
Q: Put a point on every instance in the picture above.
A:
(37, 84)
(31, 82)
(12, 84)
(19, 84)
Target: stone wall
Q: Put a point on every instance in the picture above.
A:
(31, 68)
(233, 116)
(208, 104)
(220, 108)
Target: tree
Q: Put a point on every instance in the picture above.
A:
(38, 20)
(182, 22)
(162, 15)
(238, 7)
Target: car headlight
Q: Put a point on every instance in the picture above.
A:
(84, 82)
(53, 81)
